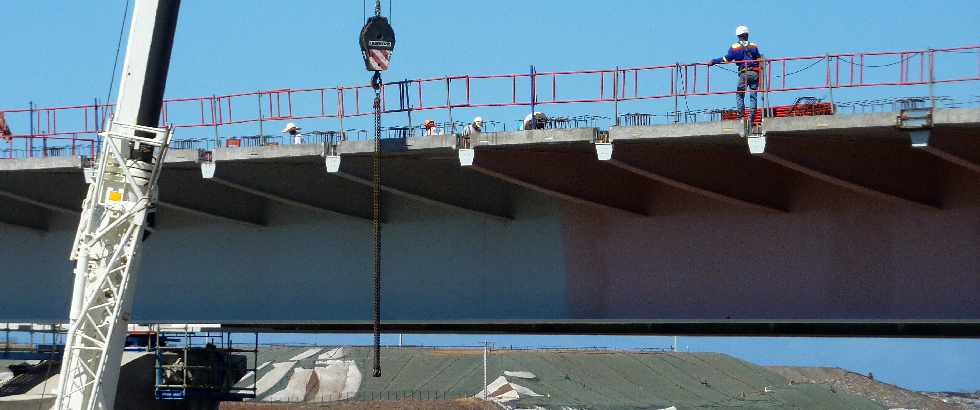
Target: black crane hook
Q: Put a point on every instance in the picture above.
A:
(377, 43)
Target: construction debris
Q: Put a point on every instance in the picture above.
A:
(273, 377)
(298, 389)
(305, 354)
(502, 390)
(335, 353)
(520, 374)
(338, 380)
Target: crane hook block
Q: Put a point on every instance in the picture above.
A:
(377, 43)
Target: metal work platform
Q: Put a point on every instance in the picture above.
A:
(203, 365)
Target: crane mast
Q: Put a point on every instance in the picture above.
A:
(114, 214)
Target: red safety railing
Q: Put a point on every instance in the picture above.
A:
(49, 146)
(615, 85)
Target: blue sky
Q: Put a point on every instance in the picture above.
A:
(61, 52)
(65, 50)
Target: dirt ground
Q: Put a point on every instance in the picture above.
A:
(461, 404)
(843, 380)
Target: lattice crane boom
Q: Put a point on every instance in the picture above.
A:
(114, 214)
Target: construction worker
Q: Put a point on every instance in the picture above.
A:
(746, 57)
(475, 127)
(293, 130)
(535, 121)
(430, 128)
(5, 129)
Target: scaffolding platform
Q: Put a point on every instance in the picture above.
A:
(203, 365)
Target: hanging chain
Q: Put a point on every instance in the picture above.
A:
(376, 211)
(376, 218)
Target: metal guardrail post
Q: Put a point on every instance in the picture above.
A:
(261, 128)
(616, 96)
(932, 78)
(830, 82)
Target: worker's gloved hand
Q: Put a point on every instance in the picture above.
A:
(711, 63)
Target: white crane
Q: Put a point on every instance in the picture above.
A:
(123, 191)
(114, 214)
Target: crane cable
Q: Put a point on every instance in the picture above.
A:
(376, 211)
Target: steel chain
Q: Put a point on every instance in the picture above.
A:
(376, 220)
(376, 212)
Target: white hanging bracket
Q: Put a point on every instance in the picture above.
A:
(757, 145)
(466, 156)
(331, 159)
(603, 146)
(206, 159)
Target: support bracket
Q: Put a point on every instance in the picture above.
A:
(914, 118)
(466, 156)
(603, 145)
(757, 145)
(206, 159)
(89, 170)
(331, 157)
(604, 151)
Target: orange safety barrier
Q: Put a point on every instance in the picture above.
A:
(794, 110)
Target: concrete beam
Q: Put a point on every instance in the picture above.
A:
(435, 179)
(187, 156)
(729, 199)
(707, 159)
(41, 163)
(444, 142)
(846, 122)
(184, 190)
(23, 215)
(956, 116)
(948, 149)
(687, 130)
(548, 136)
(24, 225)
(587, 181)
(301, 183)
(209, 214)
(420, 198)
(728, 327)
(764, 147)
(551, 192)
(951, 158)
(281, 199)
(37, 203)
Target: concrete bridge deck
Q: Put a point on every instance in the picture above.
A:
(847, 224)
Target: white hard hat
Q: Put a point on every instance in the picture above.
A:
(291, 127)
(741, 30)
(478, 121)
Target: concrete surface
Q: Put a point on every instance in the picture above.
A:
(837, 220)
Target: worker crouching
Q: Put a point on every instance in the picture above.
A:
(293, 131)
(5, 129)
(535, 121)
(431, 128)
